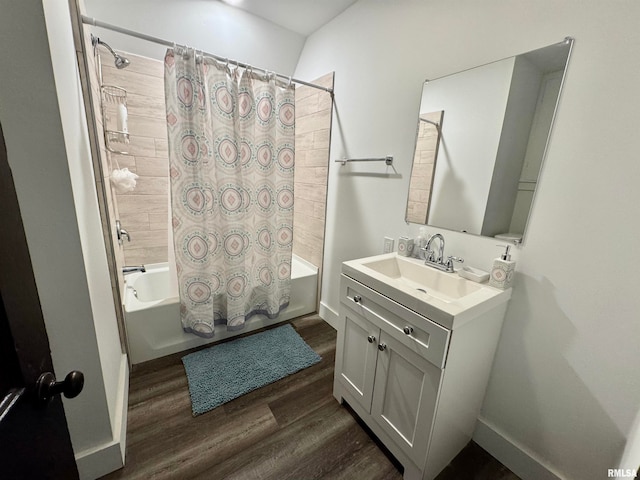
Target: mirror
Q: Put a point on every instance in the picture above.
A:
(481, 138)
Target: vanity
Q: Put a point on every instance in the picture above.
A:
(413, 356)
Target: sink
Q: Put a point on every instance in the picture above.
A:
(444, 297)
(414, 274)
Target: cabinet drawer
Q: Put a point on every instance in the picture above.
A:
(416, 332)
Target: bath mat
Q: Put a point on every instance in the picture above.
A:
(223, 372)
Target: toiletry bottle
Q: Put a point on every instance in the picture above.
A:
(421, 241)
(405, 246)
(503, 270)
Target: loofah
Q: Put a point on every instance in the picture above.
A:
(123, 180)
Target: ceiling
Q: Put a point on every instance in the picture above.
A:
(301, 16)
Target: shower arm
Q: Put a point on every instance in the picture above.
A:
(95, 41)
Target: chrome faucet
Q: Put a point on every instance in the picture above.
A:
(430, 254)
(137, 268)
(121, 233)
(438, 261)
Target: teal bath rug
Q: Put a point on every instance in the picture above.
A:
(223, 372)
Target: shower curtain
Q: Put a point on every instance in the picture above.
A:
(231, 163)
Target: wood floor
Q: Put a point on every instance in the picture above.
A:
(291, 429)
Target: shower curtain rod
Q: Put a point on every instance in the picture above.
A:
(160, 41)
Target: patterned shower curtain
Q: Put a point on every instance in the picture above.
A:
(231, 162)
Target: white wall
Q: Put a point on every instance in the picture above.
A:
(203, 24)
(564, 384)
(48, 152)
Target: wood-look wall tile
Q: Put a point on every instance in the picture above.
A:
(316, 121)
(303, 92)
(310, 192)
(151, 203)
(313, 175)
(304, 141)
(319, 210)
(146, 106)
(307, 105)
(325, 102)
(122, 161)
(147, 238)
(313, 158)
(158, 221)
(152, 166)
(303, 207)
(139, 221)
(161, 148)
(322, 138)
(140, 146)
(134, 82)
(150, 186)
(145, 255)
(146, 126)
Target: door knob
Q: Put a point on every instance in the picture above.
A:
(357, 298)
(408, 330)
(70, 387)
(382, 347)
(371, 339)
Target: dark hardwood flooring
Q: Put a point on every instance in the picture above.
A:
(291, 429)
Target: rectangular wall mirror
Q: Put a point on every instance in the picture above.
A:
(481, 139)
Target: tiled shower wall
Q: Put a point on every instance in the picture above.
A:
(143, 212)
(424, 163)
(313, 133)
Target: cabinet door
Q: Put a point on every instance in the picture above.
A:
(359, 357)
(405, 396)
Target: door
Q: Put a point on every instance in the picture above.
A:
(405, 396)
(359, 357)
(34, 439)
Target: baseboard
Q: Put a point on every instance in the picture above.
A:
(514, 456)
(329, 315)
(108, 457)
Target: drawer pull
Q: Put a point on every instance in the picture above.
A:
(408, 330)
(357, 298)
(382, 347)
(371, 339)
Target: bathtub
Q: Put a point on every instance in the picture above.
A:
(152, 317)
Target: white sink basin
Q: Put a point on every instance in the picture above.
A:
(415, 274)
(443, 297)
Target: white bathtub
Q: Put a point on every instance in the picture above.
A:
(152, 318)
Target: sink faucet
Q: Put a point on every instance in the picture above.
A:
(137, 268)
(438, 261)
(430, 253)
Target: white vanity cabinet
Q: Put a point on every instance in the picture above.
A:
(418, 385)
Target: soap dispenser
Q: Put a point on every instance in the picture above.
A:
(503, 270)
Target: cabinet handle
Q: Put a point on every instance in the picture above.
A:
(382, 347)
(357, 298)
(371, 339)
(408, 330)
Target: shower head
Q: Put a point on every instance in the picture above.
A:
(120, 61)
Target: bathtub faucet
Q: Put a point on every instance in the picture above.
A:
(138, 268)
